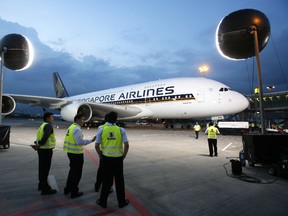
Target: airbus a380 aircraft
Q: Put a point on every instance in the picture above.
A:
(176, 98)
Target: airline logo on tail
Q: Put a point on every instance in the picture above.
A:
(59, 88)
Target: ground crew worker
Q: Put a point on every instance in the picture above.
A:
(212, 132)
(197, 128)
(44, 144)
(73, 145)
(252, 126)
(112, 153)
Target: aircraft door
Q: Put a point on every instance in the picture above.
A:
(200, 96)
(147, 101)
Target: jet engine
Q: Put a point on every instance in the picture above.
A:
(8, 105)
(68, 112)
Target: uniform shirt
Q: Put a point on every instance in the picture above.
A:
(214, 128)
(99, 134)
(197, 127)
(78, 136)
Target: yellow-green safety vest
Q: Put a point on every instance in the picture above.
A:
(70, 144)
(197, 128)
(101, 126)
(212, 132)
(112, 141)
(51, 141)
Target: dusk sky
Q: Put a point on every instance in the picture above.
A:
(96, 44)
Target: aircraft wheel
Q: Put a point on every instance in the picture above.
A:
(6, 146)
(273, 170)
(251, 163)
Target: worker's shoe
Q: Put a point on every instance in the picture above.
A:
(48, 192)
(66, 191)
(101, 204)
(78, 194)
(122, 205)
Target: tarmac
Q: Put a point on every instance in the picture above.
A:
(167, 172)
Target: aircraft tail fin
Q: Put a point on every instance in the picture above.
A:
(59, 87)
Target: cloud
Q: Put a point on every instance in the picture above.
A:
(91, 73)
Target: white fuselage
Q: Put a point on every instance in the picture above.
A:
(173, 98)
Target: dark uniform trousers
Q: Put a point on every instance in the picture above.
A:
(45, 157)
(197, 134)
(112, 167)
(212, 143)
(75, 172)
(99, 179)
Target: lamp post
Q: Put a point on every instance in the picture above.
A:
(203, 69)
(253, 30)
(16, 54)
(241, 35)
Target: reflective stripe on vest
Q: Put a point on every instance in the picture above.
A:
(51, 141)
(112, 141)
(212, 132)
(70, 144)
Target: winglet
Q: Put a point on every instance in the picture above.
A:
(59, 87)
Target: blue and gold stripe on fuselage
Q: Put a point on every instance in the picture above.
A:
(154, 99)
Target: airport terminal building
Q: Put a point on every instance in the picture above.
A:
(275, 106)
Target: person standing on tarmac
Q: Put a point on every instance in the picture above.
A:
(212, 132)
(44, 145)
(197, 128)
(73, 145)
(112, 153)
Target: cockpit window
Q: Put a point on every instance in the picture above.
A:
(224, 89)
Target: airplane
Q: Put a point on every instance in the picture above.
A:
(174, 98)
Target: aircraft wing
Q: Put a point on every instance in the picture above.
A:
(98, 109)
(41, 101)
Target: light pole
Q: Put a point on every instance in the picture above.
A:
(253, 30)
(241, 35)
(16, 54)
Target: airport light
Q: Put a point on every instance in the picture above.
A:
(241, 35)
(16, 54)
(203, 69)
(270, 88)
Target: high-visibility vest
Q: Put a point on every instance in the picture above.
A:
(51, 141)
(101, 126)
(212, 132)
(112, 141)
(197, 128)
(70, 144)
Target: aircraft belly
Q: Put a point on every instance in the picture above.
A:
(175, 110)
(183, 109)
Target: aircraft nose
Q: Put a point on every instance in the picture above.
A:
(242, 101)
